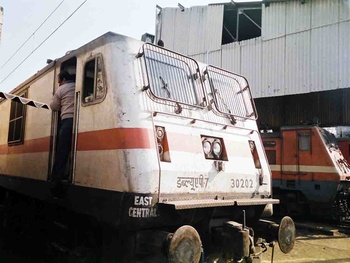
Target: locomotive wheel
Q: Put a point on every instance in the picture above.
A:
(185, 246)
(286, 234)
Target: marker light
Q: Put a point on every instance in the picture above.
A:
(160, 149)
(160, 133)
(162, 144)
(255, 154)
(217, 148)
(207, 147)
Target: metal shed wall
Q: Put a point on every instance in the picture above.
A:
(193, 31)
(273, 67)
(298, 16)
(297, 69)
(325, 12)
(273, 21)
(251, 61)
(231, 57)
(315, 107)
(303, 48)
(344, 53)
(324, 58)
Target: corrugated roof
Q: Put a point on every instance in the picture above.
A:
(36, 104)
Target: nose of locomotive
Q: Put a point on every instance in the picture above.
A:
(184, 245)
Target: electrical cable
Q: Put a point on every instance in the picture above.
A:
(44, 41)
(32, 35)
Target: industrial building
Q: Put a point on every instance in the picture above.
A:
(294, 53)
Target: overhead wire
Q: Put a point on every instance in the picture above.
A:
(44, 41)
(25, 42)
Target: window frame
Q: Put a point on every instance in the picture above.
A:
(151, 66)
(242, 96)
(95, 100)
(301, 146)
(20, 140)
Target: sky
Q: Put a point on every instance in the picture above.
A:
(22, 18)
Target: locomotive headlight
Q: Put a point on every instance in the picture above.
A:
(160, 149)
(160, 133)
(206, 147)
(214, 148)
(217, 148)
(252, 145)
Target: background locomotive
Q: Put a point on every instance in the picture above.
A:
(167, 160)
(310, 174)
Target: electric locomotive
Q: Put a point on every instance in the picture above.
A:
(310, 174)
(166, 154)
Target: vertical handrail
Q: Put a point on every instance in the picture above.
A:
(75, 134)
(53, 137)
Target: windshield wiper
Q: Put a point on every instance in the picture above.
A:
(232, 119)
(165, 86)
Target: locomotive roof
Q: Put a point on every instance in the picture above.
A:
(99, 41)
(299, 127)
(287, 128)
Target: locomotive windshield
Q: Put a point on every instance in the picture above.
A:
(231, 93)
(173, 77)
(329, 138)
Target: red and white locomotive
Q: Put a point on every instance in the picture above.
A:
(166, 153)
(310, 174)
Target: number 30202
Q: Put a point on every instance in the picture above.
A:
(241, 183)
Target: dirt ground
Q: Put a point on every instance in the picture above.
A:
(314, 248)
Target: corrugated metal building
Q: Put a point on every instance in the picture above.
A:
(283, 47)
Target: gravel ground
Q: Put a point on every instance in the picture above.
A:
(328, 246)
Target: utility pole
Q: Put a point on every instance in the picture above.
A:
(1, 14)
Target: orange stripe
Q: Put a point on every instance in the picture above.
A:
(29, 146)
(121, 138)
(111, 139)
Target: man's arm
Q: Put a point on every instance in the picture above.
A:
(55, 103)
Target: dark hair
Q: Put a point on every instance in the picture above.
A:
(160, 43)
(65, 75)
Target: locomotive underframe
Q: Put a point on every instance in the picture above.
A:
(341, 206)
(89, 231)
(298, 202)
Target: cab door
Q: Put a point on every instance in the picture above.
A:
(296, 155)
(69, 66)
(304, 156)
(289, 161)
(93, 123)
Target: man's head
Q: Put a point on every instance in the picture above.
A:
(63, 77)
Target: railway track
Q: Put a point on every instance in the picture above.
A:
(307, 228)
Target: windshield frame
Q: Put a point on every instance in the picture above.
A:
(172, 74)
(242, 100)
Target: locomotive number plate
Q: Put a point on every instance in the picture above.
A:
(241, 183)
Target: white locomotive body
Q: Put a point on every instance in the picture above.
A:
(160, 141)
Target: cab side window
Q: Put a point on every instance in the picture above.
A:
(304, 142)
(94, 86)
(17, 122)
